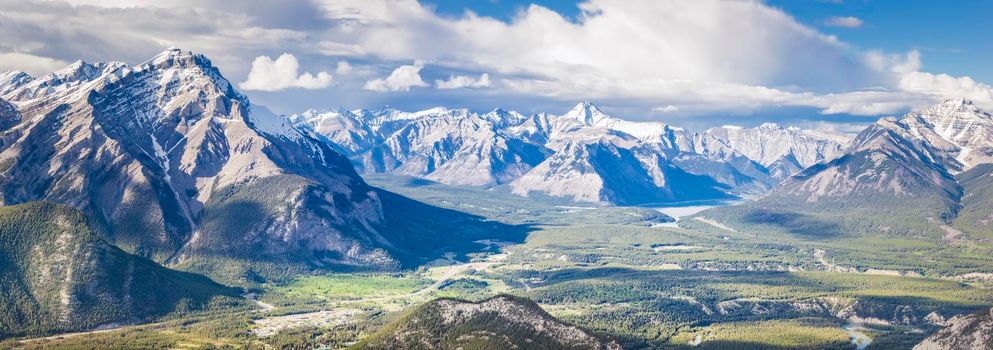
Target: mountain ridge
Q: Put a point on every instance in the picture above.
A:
(548, 154)
(910, 176)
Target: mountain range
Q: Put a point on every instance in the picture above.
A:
(176, 165)
(125, 189)
(925, 175)
(583, 155)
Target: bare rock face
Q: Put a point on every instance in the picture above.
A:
(962, 332)
(177, 164)
(9, 116)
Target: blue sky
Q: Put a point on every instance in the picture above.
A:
(952, 35)
(694, 63)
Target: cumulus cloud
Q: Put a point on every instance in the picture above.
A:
(281, 74)
(402, 79)
(710, 41)
(463, 81)
(844, 22)
(944, 86)
(702, 55)
(343, 68)
(700, 52)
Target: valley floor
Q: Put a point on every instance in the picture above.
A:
(700, 284)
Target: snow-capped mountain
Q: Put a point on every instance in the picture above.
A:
(601, 159)
(18, 86)
(956, 128)
(911, 174)
(177, 164)
(451, 146)
(924, 148)
(584, 155)
(783, 151)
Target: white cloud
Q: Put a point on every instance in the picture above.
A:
(944, 86)
(666, 109)
(31, 64)
(726, 55)
(343, 68)
(702, 55)
(463, 81)
(281, 74)
(844, 22)
(402, 79)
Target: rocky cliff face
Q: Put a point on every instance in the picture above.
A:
(962, 332)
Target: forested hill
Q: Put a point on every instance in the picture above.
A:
(58, 275)
(501, 322)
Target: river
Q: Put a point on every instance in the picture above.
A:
(857, 333)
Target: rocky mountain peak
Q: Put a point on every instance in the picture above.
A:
(12, 79)
(183, 67)
(503, 118)
(171, 141)
(783, 150)
(175, 57)
(959, 107)
(18, 86)
(956, 131)
(587, 113)
(82, 71)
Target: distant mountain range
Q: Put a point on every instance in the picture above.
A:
(584, 155)
(925, 174)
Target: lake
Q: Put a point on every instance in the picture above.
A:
(683, 209)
